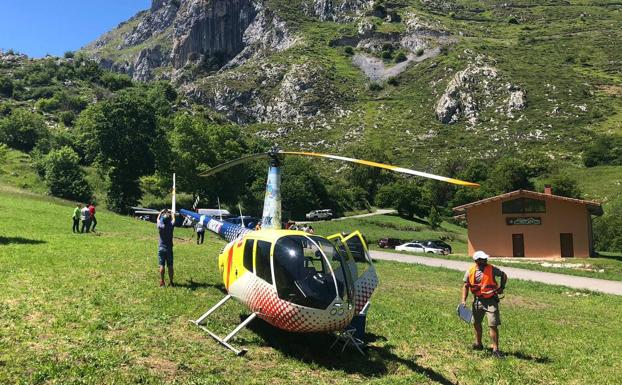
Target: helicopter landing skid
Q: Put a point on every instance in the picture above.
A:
(224, 341)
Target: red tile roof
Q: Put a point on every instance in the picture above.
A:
(594, 207)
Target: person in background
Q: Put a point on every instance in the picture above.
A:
(200, 229)
(165, 226)
(481, 280)
(310, 230)
(93, 219)
(85, 215)
(76, 218)
(258, 226)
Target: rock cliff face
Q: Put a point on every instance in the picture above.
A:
(211, 28)
(176, 33)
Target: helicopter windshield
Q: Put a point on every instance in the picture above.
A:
(304, 275)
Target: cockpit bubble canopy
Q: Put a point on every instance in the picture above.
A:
(309, 271)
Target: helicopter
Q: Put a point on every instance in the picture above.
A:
(295, 281)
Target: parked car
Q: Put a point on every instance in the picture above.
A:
(419, 248)
(436, 244)
(319, 214)
(389, 243)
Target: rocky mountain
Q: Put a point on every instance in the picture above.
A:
(428, 79)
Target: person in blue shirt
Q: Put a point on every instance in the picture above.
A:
(165, 225)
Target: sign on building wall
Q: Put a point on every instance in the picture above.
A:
(523, 221)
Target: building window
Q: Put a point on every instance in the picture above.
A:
(523, 206)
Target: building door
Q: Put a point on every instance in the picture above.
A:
(565, 239)
(518, 245)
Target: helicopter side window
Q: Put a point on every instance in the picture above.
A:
(338, 262)
(302, 274)
(357, 249)
(248, 254)
(262, 261)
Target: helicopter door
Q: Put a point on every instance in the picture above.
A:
(339, 264)
(358, 249)
(302, 272)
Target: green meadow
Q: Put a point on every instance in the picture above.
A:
(86, 309)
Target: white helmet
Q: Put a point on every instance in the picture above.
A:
(480, 255)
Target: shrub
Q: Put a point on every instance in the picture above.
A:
(394, 82)
(419, 51)
(115, 82)
(64, 177)
(349, 50)
(400, 57)
(387, 55)
(375, 87)
(608, 228)
(69, 55)
(6, 87)
(67, 117)
(512, 20)
(22, 129)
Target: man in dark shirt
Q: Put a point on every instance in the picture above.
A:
(165, 225)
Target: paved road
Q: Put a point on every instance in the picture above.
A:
(377, 212)
(601, 285)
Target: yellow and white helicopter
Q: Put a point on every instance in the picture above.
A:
(295, 281)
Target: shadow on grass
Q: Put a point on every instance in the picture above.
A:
(313, 348)
(616, 256)
(193, 286)
(19, 241)
(525, 357)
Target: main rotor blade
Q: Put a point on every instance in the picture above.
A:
(384, 166)
(233, 163)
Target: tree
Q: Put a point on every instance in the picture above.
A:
(565, 185)
(370, 178)
(115, 81)
(64, 177)
(22, 129)
(608, 228)
(508, 175)
(122, 137)
(434, 218)
(406, 196)
(198, 145)
(6, 86)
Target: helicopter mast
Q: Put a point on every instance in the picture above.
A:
(271, 218)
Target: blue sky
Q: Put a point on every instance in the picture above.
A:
(39, 27)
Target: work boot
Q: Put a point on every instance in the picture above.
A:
(477, 347)
(162, 284)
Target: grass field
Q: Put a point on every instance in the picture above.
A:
(86, 309)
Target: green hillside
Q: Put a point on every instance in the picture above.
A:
(563, 54)
(86, 309)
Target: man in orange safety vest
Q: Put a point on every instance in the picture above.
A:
(481, 281)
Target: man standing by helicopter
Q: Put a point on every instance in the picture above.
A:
(165, 225)
(481, 280)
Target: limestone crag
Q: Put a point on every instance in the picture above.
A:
(278, 93)
(478, 87)
(209, 28)
(157, 21)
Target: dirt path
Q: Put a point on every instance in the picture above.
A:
(575, 282)
(376, 70)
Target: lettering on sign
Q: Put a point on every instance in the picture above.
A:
(523, 221)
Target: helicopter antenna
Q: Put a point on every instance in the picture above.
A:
(241, 216)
